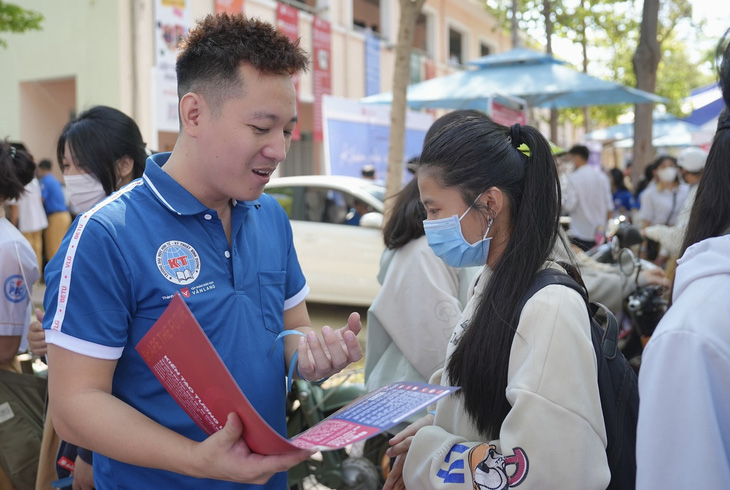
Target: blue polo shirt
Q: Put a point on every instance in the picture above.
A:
(121, 263)
(52, 193)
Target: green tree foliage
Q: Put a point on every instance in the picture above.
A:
(16, 19)
(611, 35)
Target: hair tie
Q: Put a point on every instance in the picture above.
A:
(12, 152)
(725, 124)
(515, 135)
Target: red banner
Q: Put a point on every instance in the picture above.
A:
(506, 116)
(287, 22)
(322, 73)
(228, 6)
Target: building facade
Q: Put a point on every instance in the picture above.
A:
(92, 52)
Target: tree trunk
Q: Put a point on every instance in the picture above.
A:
(516, 43)
(409, 11)
(584, 46)
(646, 60)
(546, 9)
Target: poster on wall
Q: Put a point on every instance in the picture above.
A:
(172, 22)
(228, 6)
(287, 22)
(322, 72)
(372, 63)
(358, 134)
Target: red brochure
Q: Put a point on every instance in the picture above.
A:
(182, 358)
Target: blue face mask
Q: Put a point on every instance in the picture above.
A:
(448, 243)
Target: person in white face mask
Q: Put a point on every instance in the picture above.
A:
(99, 152)
(662, 202)
(691, 162)
(528, 393)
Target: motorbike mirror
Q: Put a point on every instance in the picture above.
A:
(626, 262)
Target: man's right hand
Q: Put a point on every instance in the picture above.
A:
(86, 414)
(226, 456)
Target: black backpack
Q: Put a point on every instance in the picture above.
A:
(617, 381)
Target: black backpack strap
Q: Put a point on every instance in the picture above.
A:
(609, 324)
(546, 277)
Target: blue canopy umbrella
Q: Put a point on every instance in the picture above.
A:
(538, 78)
(667, 130)
(707, 104)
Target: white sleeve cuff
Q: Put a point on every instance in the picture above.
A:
(83, 347)
(290, 303)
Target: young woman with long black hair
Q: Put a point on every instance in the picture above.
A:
(529, 410)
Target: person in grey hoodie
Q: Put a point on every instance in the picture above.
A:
(683, 436)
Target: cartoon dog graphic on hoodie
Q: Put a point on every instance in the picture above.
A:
(489, 468)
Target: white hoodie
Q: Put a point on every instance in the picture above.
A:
(683, 438)
(554, 435)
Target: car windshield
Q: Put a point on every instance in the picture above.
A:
(376, 191)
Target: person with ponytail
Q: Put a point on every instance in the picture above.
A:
(685, 368)
(20, 430)
(528, 412)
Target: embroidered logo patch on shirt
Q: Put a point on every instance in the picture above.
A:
(15, 289)
(178, 262)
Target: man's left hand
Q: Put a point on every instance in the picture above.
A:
(322, 357)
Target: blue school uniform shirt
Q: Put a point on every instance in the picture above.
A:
(623, 198)
(121, 263)
(52, 193)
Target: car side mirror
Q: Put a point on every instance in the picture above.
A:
(372, 220)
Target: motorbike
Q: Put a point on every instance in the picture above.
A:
(646, 304)
(645, 307)
(353, 468)
(619, 234)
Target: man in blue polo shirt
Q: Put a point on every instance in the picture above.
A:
(195, 224)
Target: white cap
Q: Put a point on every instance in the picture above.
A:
(692, 159)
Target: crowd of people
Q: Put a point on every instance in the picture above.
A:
(464, 242)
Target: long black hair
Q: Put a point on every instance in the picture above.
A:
(98, 138)
(406, 217)
(710, 214)
(16, 170)
(617, 177)
(472, 155)
(646, 178)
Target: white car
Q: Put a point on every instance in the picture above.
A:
(336, 221)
